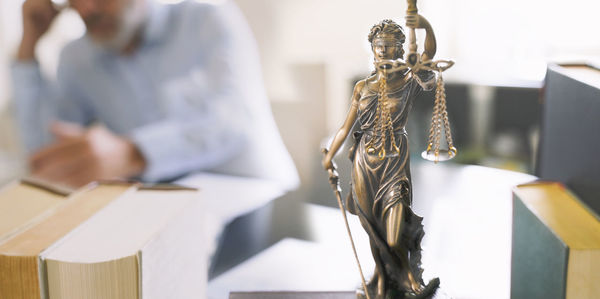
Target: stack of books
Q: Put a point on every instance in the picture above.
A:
(106, 240)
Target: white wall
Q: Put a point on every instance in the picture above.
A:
(493, 42)
(333, 33)
(5, 19)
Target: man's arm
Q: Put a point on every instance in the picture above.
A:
(209, 113)
(82, 155)
(38, 101)
(60, 153)
(37, 18)
(426, 79)
(28, 83)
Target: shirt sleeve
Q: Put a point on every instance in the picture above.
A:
(39, 101)
(207, 111)
(28, 86)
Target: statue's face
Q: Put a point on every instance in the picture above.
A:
(386, 47)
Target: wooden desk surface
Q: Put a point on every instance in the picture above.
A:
(467, 242)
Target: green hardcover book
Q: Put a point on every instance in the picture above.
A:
(556, 244)
(569, 130)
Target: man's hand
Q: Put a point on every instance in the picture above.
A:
(37, 17)
(81, 155)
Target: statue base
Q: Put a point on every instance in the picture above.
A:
(428, 292)
(439, 294)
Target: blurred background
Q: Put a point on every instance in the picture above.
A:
(313, 51)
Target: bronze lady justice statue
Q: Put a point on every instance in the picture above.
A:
(381, 183)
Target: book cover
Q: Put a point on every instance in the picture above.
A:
(556, 244)
(568, 146)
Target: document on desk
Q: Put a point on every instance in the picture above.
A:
(227, 197)
(290, 265)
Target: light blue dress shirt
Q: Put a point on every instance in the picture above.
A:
(191, 97)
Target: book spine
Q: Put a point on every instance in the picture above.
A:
(19, 277)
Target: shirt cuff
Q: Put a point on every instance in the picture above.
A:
(155, 142)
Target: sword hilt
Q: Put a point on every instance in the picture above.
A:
(412, 7)
(413, 57)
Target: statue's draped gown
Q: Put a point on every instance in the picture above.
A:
(380, 184)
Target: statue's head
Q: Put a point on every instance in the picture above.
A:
(387, 38)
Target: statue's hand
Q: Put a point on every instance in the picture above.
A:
(327, 163)
(416, 22)
(330, 167)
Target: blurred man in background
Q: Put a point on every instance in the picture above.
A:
(152, 91)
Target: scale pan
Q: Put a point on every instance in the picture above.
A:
(443, 155)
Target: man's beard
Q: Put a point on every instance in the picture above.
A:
(130, 24)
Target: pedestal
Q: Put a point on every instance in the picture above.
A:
(440, 294)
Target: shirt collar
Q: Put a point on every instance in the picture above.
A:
(155, 28)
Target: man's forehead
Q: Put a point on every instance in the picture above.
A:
(59, 4)
(76, 2)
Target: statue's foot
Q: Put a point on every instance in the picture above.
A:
(426, 292)
(360, 294)
(374, 292)
(376, 288)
